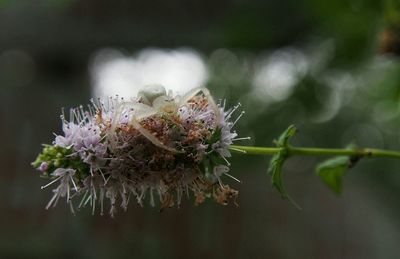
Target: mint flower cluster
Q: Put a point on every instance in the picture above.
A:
(155, 147)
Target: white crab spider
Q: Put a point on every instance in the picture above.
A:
(154, 99)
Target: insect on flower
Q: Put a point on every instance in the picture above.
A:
(154, 146)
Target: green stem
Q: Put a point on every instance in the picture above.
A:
(362, 152)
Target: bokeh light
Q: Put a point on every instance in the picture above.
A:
(114, 73)
(277, 74)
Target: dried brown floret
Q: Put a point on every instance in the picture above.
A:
(223, 194)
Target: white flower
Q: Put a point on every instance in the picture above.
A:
(227, 135)
(190, 115)
(65, 177)
(219, 170)
(71, 130)
(149, 146)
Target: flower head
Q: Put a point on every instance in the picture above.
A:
(153, 145)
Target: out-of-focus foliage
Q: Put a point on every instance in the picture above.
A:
(392, 12)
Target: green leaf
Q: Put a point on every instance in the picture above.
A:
(332, 171)
(285, 136)
(277, 161)
(275, 171)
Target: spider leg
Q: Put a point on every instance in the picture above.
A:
(207, 94)
(117, 117)
(140, 112)
(135, 123)
(189, 95)
(212, 103)
(137, 107)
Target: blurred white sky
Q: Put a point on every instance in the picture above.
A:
(178, 70)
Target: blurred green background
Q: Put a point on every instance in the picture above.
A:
(330, 67)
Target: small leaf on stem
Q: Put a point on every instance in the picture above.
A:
(277, 161)
(331, 172)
